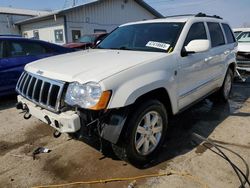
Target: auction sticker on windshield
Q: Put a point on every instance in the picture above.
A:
(159, 45)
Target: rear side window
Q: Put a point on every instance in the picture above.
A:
(229, 33)
(22, 48)
(217, 37)
(197, 31)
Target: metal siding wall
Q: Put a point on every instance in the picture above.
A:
(9, 28)
(46, 29)
(105, 15)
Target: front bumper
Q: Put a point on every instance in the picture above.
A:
(65, 122)
(243, 65)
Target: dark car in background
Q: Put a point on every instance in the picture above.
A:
(87, 41)
(16, 52)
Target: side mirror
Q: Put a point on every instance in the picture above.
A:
(196, 46)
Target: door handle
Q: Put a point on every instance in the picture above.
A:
(208, 59)
(227, 52)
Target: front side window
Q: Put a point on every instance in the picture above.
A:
(216, 34)
(244, 37)
(22, 48)
(1, 49)
(229, 33)
(197, 31)
(59, 35)
(153, 37)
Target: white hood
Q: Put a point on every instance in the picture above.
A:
(89, 65)
(244, 47)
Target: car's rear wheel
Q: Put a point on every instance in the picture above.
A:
(225, 90)
(145, 133)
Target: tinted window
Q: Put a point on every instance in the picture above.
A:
(154, 37)
(25, 48)
(100, 38)
(236, 33)
(1, 49)
(217, 37)
(229, 33)
(87, 39)
(197, 31)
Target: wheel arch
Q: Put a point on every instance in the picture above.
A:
(160, 94)
(232, 66)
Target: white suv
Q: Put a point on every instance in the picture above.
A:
(125, 90)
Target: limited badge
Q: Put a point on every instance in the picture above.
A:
(39, 72)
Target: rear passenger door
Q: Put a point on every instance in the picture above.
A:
(17, 55)
(230, 43)
(215, 63)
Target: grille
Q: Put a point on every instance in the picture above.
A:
(243, 64)
(42, 91)
(243, 56)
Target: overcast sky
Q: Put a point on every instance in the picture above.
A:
(237, 12)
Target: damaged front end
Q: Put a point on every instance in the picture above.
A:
(45, 99)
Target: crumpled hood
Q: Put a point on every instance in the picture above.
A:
(244, 46)
(89, 65)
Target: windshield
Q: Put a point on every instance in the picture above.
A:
(154, 37)
(87, 39)
(244, 37)
(236, 33)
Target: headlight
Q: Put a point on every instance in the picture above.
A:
(89, 95)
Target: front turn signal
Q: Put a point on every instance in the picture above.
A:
(103, 102)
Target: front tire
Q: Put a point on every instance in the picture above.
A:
(144, 135)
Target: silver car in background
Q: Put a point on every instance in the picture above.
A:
(243, 54)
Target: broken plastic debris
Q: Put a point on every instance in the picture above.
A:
(40, 150)
(132, 184)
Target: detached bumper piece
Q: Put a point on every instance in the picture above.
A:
(65, 122)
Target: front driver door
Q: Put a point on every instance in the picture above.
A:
(191, 69)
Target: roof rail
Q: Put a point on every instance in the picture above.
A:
(180, 15)
(204, 15)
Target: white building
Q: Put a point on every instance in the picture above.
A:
(100, 15)
(8, 16)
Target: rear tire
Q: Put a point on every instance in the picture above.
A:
(144, 135)
(224, 93)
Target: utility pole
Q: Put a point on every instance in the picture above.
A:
(70, 3)
(74, 3)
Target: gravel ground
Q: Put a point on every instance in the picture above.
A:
(72, 160)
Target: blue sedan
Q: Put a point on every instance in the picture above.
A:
(16, 52)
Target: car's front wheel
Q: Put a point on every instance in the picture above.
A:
(145, 133)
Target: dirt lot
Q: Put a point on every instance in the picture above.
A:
(71, 160)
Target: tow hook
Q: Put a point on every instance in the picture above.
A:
(57, 134)
(25, 109)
